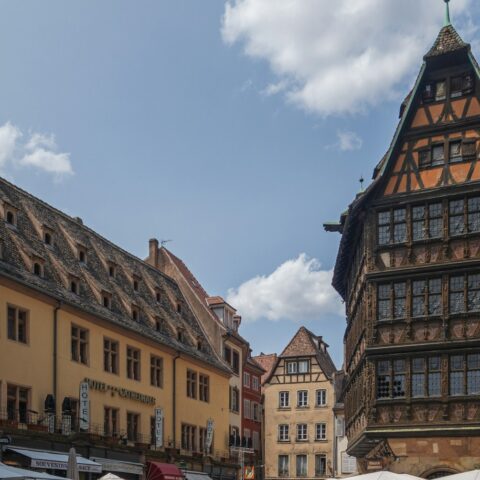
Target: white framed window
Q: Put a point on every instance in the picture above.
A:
(246, 379)
(255, 412)
(321, 398)
(339, 427)
(246, 409)
(302, 398)
(283, 433)
(284, 399)
(292, 367)
(301, 465)
(302, 432)
(283, 470)
(256, 441)
(320, 431)
(303, 366)
(255, 384)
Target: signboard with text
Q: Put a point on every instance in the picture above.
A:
(158, 427)
(84, 414)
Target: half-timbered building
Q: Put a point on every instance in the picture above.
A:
(408, 268)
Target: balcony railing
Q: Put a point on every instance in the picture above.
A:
(67, 425)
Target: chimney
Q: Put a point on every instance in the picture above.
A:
(153, 252)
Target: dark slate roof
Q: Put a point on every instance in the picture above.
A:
(448, 41)
(24, 242)
(339, 384)
(306, 343)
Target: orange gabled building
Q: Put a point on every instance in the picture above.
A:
(408, 268)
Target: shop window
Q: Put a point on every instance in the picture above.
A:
(110, 355)
(79, 344)
(320, 465)
(156, 371)
(301, 465)
(283, 469)
(133, 363)
(17, 324)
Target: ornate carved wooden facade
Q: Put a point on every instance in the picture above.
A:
(408, 269)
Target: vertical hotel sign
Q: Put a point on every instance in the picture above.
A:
(158, 427)
(209, 439)
(84, 420)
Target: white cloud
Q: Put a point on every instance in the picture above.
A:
(297, 290)
(349, 141)
(9, 134)
(338, 57)
(39, 152)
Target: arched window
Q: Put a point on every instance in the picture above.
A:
(10, 217)
(37, 269)
(48, 238)
(74, 287)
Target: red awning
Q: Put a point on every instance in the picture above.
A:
(163, 471)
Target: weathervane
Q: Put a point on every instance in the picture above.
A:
(447, 13)
(361, 180)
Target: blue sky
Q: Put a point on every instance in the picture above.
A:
(221, 132)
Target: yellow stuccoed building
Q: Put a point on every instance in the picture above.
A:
(79, 313)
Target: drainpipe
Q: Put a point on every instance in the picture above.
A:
(55, 352)
(174, 400)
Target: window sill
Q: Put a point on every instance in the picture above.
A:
(324, 440)
(286, 409)
(302, 408)
(283, 441)
(321, 406)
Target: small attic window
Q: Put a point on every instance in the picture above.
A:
(47, 238)
(135, 313)
(38, 269)
(199, 345)
(180, 335)
(74, 286)
(107, 300)
(179, 308)
(461, 85)
(10, 217)
(158, 324)
(111, 270)
(158, 295)
(82, 255)
(135, 283)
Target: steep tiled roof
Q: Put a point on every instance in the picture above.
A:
(267, 362)
(254, 364)
(306, 343)
(448, 40)
(24, 242)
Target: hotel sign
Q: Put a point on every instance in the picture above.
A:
(84, 416)
(121, 392)
(158, 427)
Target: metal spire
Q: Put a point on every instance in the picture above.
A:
(361, 180)
(447, 13)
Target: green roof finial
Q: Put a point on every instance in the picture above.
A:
(447, 13)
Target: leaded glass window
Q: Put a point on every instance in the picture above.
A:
(473, 292)
(456, 220)
(474, 214)
(384, 302)
(399, 369)
(426, 297)
(457, 294)
(473, 374)
(418, 377)
(457, 383)
(455, 151)
(400, 294)
(435, 220)
(383, 379)
(438, 154)
(392, 226)
(384, 228)
(434, 377)
(399, 225)
(427, 222)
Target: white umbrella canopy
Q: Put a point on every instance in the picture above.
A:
(72, 465)
(470, 475)
(110, 476)
(385, 475)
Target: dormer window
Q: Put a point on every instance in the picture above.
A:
(47, 238)
(158, 296)
(11, 216)
(112, 270)
(135, 283)
(461, 85)
(82, 254)
(75, 286)
(179, 308)
(37, 269)
(158, 324)
(199, 345)
(135, 313)
(180, 335)
(107, 300)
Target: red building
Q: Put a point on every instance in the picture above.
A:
(252, 408)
